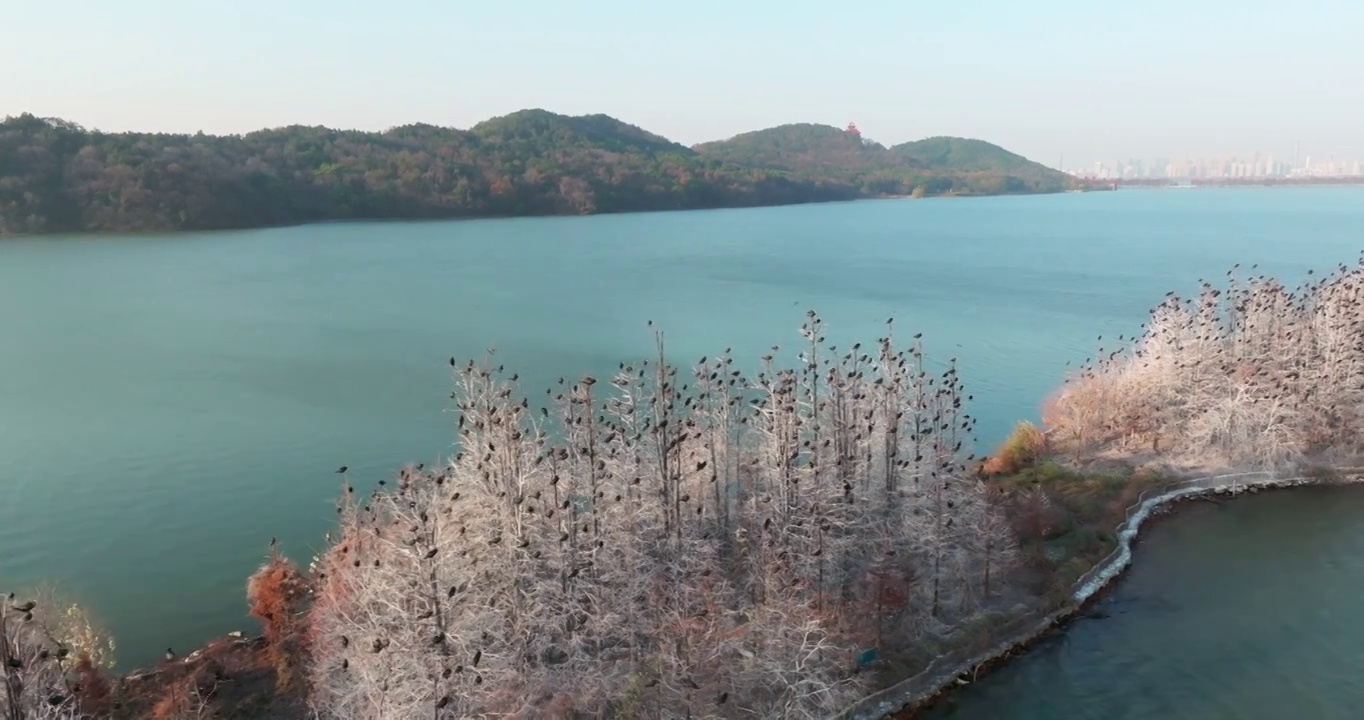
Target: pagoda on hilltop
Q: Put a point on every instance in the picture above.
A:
(853, 131)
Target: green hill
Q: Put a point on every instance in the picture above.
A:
(541, 131)
(966, 155)
(814, 150)
(939, 165)
(56, 176)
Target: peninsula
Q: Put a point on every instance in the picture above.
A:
(56, 176)
(817, 540)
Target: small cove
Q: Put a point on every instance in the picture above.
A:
(1242, 609)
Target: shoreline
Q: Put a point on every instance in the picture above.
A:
(181, 232)
(942, 677)
(911, 696)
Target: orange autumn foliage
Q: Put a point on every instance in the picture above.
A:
(93, 694)
(1024, 446)
(277, 593)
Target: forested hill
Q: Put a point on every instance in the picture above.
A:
(56, 176)
(938, 165)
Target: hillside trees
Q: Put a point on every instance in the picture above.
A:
(56, 176)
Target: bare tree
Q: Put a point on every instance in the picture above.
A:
(1253, 376)
(36, 669)
(659, 545)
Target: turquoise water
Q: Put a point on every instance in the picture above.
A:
(170, 403)
(1246, 611)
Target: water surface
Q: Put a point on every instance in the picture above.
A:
(169, 403)
(1245, 611)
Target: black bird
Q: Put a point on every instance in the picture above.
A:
(342, 470)
(478, 655)
(25, 607)
(723, 697)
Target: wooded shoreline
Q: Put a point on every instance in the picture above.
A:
(58, 177)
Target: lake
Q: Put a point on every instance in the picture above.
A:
(168, 403)
(1248, 610)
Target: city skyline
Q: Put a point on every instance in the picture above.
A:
(1230, 165)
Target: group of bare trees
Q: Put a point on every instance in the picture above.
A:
(662, 543)
(49, 658)
(1253, 375)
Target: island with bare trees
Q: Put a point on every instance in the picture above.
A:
(703, 541)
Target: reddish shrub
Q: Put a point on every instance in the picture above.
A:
(1024, 446)
(92, 689)
(278, 593)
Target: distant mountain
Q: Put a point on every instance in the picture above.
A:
(541, 131)
(56, 176)
(965, 155)
(937, 165)
(816, 150)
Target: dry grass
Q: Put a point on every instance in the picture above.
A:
(1067, 520)
(1024, 446)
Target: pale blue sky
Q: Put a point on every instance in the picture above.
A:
(1092, 79)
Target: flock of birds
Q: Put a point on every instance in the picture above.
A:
(1252, 375)
(33, 664)
(564, 543)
